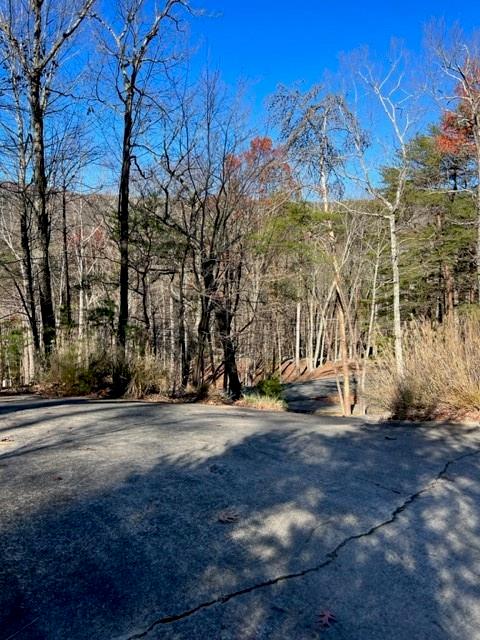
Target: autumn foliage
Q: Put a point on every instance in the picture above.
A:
(455, 136)
(456, 129)
(265, 163)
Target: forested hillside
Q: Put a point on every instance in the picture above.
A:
(152, 240)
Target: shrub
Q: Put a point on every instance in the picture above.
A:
(442, 372)
(203, 391)
(11, 351)
(208, 394)
(66, 375)
(271, 387)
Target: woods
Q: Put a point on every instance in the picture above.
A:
(154, 241)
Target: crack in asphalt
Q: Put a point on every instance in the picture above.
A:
(381, 486)
(330, 557)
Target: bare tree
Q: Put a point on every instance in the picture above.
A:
(395, 114)
(16, 160)
(34, 37)
(313, 128)
(200, 200)
(135, 49)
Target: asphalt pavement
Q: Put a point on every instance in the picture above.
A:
(124, 520)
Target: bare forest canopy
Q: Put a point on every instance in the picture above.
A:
(220, 254)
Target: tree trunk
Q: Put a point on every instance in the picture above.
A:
(147, 342)
(318, 356)
(28, 361)
(347, 400)
(28, 277)
(297, 336)
(203, 330)
(311, 331)
(81, 289)
(397, 321)
(209, 285)
(182, 329)
(224, 325)
(68, 298)
(123, 223)
(173, 341)
(279, 349)
(43, 219)
(371, 325)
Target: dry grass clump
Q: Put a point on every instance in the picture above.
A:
(265, 403)
(146, 377)
(442, 373)
(266, 396)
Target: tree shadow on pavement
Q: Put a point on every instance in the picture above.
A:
(243, 539)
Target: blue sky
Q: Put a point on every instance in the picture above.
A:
(267, 42)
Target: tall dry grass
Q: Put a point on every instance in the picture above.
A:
(442, 373)
(146, 377)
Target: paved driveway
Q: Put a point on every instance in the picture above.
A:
(312, 396)
(130, 520)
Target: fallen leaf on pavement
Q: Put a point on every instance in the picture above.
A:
(228, 516)
(326, 618)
